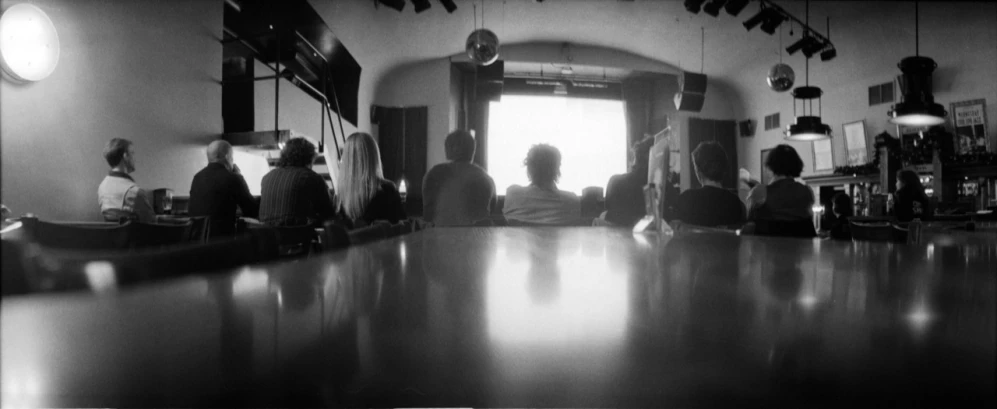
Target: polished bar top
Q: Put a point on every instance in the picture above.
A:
(555, 317)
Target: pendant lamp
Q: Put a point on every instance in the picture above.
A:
(808, 127)
(918, 107)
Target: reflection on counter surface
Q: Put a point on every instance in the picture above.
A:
(530, 317)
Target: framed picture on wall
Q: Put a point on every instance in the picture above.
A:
(763, 175)
(823, 156)
(970, 121)
(855, 146)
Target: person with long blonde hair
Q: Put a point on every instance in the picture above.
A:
(363, 195)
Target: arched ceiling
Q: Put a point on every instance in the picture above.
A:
(661, 30)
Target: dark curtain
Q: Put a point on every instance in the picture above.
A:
(637, 105)
(402, 139)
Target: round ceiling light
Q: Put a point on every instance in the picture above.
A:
(29, 44)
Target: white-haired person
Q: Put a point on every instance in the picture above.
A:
(363, 195)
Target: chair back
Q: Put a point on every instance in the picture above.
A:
(592, 202)
(14, 272)
(200, 226)
(797, 228)
(334, 236)
(157, 235)
(73, 270)
(872, 231)
(292, 241)
(98, 236)
(368, 234)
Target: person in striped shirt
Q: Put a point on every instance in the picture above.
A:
(292, 194)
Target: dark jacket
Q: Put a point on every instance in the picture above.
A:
(625, 198)
(216, 191)
(385, 205)
(912, 205)
(457, 194)
(294, 196)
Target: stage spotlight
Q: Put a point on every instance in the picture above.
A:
(757, 19)
(421, 5)
(799, 45)
(828, 54)
(813, 48)
(449, 5)
(693, 5)
(734, 7)
(713, 7)
(395, 4)
(773, 22)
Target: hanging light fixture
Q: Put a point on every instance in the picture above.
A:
(808, 127)
(918, 107)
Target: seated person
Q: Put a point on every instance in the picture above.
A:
(457, 193)
(218, 189)
(841, 209)
(363, 194)
(118, 194)
(910, 200)
(744, 184)
(784, 204)
(625, 193)
(292, 194)
(710, 205)
(541, 202)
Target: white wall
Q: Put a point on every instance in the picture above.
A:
(871, 38)
(141, 70)
(427, 83)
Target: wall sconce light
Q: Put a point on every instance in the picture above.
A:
(29, 44)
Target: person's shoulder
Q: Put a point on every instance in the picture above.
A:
(388, 186)
(567, 194)
(515, 190)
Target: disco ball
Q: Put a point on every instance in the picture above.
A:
(483, 46)
(781, 77)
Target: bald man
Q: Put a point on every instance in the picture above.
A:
(218, 189)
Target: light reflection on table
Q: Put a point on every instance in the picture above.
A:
(529, 317)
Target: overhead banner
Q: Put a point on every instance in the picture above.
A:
(562, 87)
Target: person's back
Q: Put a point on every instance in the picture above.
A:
(911, 201)
(218, 189)
(293, 194)
(710, 206)
(782, 200)
(363, 194)
(118, 195)
(457, 194)
(533, 204)
(625, 192)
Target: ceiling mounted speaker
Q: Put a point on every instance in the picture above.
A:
(421, 5)
(692, 82)
(395, 4)
(689, 101)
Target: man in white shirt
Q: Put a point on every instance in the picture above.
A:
(118, 195)
(541, 202)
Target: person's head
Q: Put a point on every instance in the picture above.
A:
(460, 146)
(297, 152)
(908, 179)
(640, 151)
(360, 174)
(783, 161)
(710, 162)
(119, 154)
(841, 205)
(220, 152)
(543, 165)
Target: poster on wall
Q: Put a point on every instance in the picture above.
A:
(823, 157)
(970, 121)
(855, 146)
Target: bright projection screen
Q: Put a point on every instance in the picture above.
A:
(590, 133)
